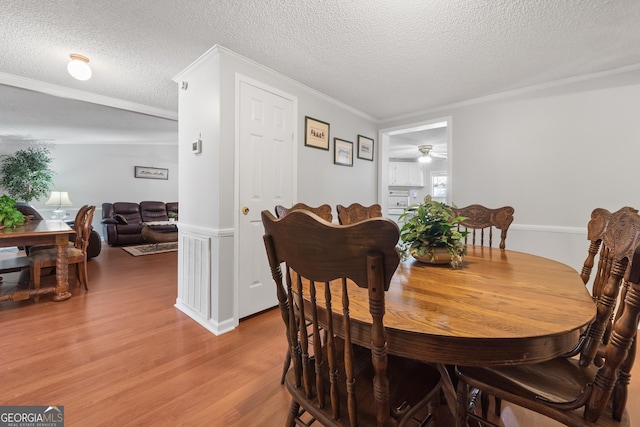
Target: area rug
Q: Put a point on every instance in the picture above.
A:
(150, 249)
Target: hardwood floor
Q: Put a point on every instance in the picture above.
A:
(122, 355)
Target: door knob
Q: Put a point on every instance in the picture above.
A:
(245, 210)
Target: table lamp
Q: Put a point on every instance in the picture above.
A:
(59, 199)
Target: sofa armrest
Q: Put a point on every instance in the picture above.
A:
(109, 221)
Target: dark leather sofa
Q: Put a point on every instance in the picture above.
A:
(122, 221)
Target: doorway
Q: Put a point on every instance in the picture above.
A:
(266, 156)
(422, 146)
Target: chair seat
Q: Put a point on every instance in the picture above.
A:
(412, 385)
(49, 254)
(557, 380)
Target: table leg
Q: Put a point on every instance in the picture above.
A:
(62, 269)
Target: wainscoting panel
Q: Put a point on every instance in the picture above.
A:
(195, 274)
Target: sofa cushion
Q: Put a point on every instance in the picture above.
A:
(131, 211)
(153, 211)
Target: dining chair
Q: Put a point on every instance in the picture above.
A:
(575, 390)
(76, 253)
(596, 227)
(480, 220)
(77, 224)
(323, 211)
(342, 380)
(355, 212)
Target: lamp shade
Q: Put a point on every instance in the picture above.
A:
(79, 67)
(59, 198)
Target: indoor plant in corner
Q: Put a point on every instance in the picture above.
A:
(430, 234)
(25, 175)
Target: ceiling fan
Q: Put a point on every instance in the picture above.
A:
(426, 155)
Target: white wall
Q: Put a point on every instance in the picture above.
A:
(553, 153)
(319, 180)
(97, 173)
(208, 107)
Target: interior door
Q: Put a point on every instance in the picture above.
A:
(266, 161)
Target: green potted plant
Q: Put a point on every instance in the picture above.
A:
(430, 234)
(25, 175)
(173, 216)
(9, 215)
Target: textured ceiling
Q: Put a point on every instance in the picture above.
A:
(384, 58)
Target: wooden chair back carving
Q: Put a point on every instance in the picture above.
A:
(355, 212)
(323, 211)
(574, 391)
(480, 220)
(595, 231)
(335, 381)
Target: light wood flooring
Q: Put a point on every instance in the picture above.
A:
(122, 355)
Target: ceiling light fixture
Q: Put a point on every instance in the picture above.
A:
(424, 153)
(79, 67)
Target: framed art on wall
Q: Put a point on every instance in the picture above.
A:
(342, 152)
(151, 173)
(365, 148)
(316, 133)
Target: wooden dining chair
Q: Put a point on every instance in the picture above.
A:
(77, 224)
(323, 211)
(574, 390)
(76, 253)
(596, 227)
(336, 380)
(355, 212)
(481, 220)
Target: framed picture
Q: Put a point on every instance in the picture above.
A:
(151, 173)
(316, 133)
(342, 152)
(365, 148)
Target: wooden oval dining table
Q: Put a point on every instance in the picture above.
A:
(501, 307)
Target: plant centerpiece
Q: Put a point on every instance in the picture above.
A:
(9, 215)
(429, 233)
(25, 175)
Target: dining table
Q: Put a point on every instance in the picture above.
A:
(501, 307)
(37, 232)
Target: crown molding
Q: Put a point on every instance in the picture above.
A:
(513, 93)
(218, 50)
(81, 95)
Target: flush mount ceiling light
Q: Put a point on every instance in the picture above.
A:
(79, 67)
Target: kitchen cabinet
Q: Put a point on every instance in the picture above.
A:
(406, 174)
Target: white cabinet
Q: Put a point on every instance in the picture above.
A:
(406, 174)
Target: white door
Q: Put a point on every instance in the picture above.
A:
(266, 165)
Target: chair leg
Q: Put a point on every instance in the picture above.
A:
(462, 404)
(35, 279)
(294, 411)
(285, 368)
(83, 277)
